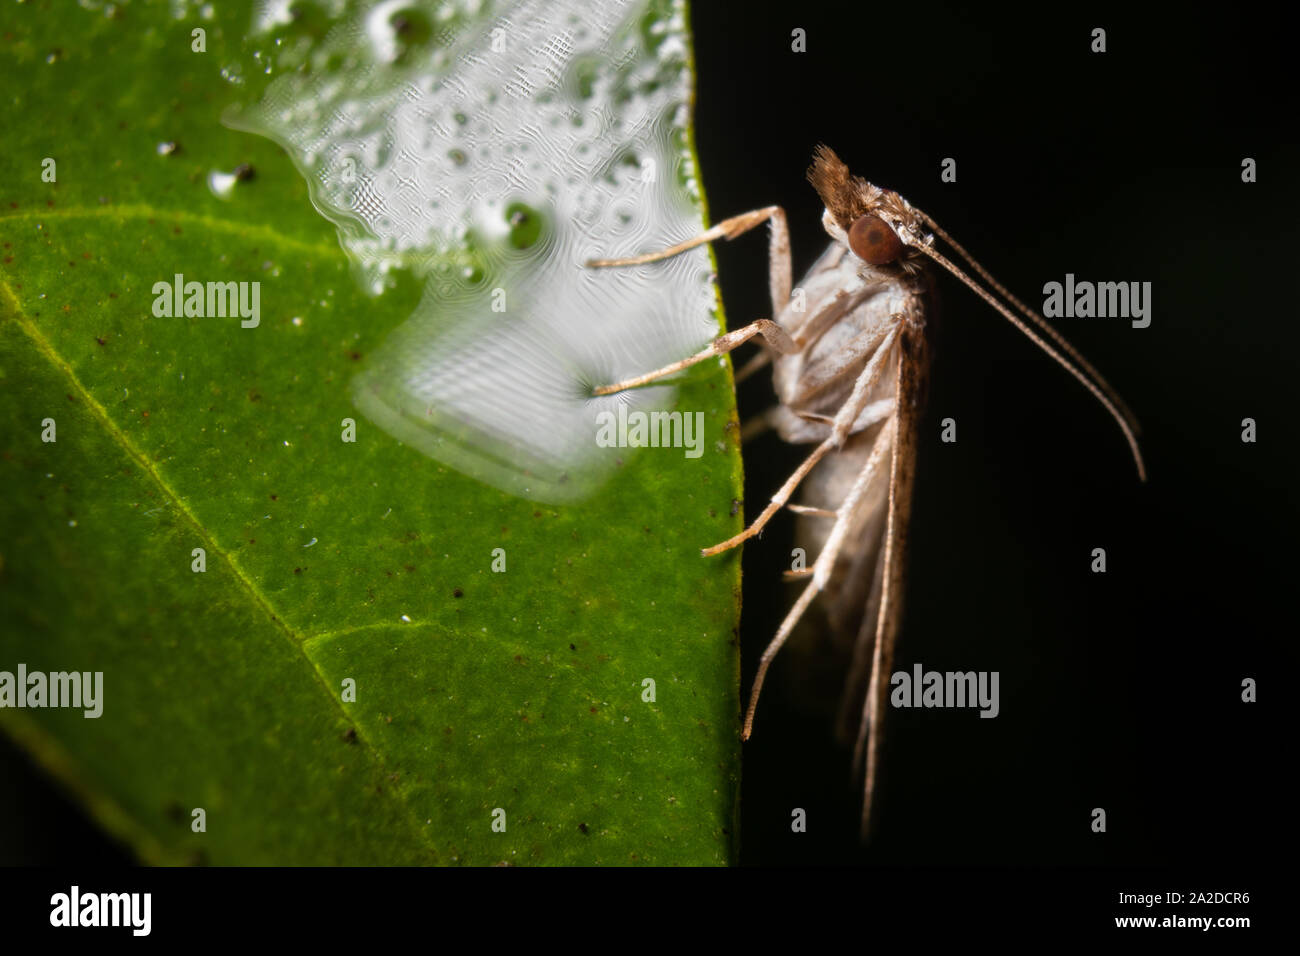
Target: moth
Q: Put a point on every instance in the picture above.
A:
(850, 363)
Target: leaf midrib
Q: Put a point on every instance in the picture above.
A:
(123, 441)
(143, 211)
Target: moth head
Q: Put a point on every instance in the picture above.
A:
(865, 217)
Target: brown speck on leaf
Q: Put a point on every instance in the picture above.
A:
(254, 395)
(350, 735)
(71, 263)
(593, 710)
(457, 593)
(244, 172)
(582, 827)
(145, 414)
(355, 356)
(252, 541)
(537, 514)
(389, 720)
(410, 568)
(519, 659)
(275, 497)
(112, 295)
(297, 570)
(85, 255)
(175, 812)
(573, 647)
(100, 340)
(713, 513)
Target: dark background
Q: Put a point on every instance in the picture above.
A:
(1120, 690)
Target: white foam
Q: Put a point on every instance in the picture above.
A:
(415, 157)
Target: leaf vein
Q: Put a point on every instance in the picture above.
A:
(47, 350)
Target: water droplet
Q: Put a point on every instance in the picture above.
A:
(525, 225)
(221, 184)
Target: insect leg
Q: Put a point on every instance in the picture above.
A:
(779, 269)
(773, 335)
(758, 425)
(778, 500)
(753, 365)
(815, 512)
(844, 420)
(821, 568)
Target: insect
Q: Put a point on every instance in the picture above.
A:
(850, 364)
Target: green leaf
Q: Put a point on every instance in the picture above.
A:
(325, 560)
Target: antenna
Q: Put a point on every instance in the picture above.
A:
(1103, 392)
(1034, 317)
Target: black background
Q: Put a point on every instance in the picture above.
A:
(1120, 690)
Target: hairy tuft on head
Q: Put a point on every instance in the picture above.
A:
(838, 190)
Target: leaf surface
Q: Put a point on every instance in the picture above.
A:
(325, 560)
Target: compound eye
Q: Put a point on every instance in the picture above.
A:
(873, 241)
